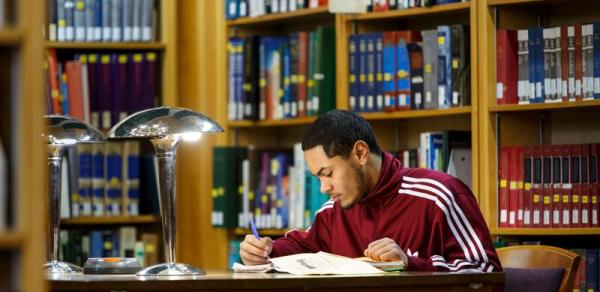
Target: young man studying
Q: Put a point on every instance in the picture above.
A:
(424, 218)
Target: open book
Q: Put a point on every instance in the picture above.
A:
(312, 264)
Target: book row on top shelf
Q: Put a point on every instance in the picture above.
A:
(388, 70)
(103, 20)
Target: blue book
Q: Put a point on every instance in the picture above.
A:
(596, 44)
(379, 101)
(353, 60)
(362, 69)
(96, 244)
(539, 65)
(370, 72)
(532, 64)
(232, 10)
(389, 70)
(591, 270)
(286, 76)
(403, 75)
(114, 162)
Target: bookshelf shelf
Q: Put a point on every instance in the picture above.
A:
(10, 36)
(418, 113)
(262, 232)
(542, 231)
(436, 9)
(544, 106)
(269, 19)
(105, 46)
(117, 220)
(272, 123)
(510, 2)
(10, 240)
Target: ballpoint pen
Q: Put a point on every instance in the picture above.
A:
(253, 227)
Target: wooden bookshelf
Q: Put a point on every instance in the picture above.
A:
(545, 232)
(105, 46)
(272, 123)
(413, 12)
(545, 106)
(10, 240)
(270, 19)
(116, 220)
(527, 124)
(464, 110)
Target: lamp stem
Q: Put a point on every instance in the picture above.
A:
(166, 152)
(54, 154)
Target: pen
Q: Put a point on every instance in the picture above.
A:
(253, 227)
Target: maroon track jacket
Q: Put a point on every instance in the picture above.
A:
(432, 216)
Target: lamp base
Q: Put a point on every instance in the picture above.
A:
(171, 269)
(58, 267)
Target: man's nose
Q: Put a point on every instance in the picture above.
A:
(325, 186)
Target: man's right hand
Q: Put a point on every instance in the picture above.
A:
(255, 251)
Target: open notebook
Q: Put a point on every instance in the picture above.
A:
(319, 263)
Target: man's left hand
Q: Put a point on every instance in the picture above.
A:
(385, 250)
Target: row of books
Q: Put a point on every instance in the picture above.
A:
(102, 20)
(281, 77)
(385, 5)
(252, 8)
(402, 70)
(271, 186)
(548, 186)
(127, 241)
(275, 188)
(101, 88)
(546, 65)
(108, 179)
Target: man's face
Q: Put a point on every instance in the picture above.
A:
(340, 178)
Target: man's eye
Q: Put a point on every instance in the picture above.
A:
(329, 174)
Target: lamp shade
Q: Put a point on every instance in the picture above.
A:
(67, 131)
(164, 122)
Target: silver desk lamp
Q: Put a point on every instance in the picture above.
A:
(61, 132)
(166, 127)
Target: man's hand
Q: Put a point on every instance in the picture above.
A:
(255, 251)
(385, 250)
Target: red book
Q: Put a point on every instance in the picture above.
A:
(564, 62)
(53, 80)
(520, 186)
(73, 70)
(565, 201)
(536, 186)
(527, 182)
(576, 185)
(503, 191)
(513, 190)
(381, 5)
(506, 66)
(594, 186)
(585, 186)
(556, 184)
(547, 192)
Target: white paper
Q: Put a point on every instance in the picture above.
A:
(320, 263)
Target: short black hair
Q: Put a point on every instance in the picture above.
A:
(337, 131)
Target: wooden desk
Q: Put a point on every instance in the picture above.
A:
(228, 281)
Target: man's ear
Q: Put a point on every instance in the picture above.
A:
(361, 152)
